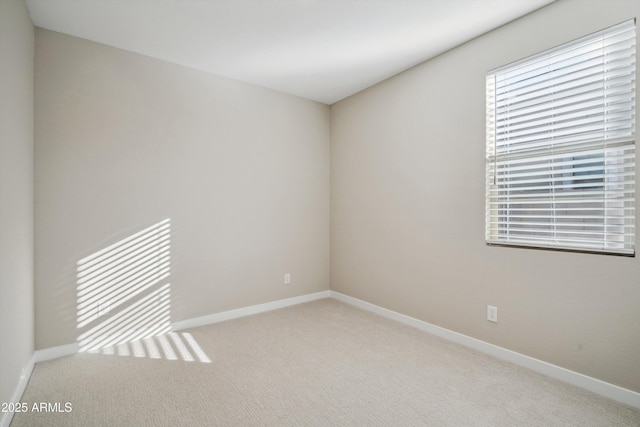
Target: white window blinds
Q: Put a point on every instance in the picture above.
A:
(560, 147)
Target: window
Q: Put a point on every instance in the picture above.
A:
(560, 147)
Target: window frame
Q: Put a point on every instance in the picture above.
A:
(613, 169)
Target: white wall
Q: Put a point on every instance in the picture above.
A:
(16, 194)
(407, 212)
(124, 141)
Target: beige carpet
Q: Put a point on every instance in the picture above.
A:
(323, 363)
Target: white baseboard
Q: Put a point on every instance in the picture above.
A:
(246, 311)
(6, 418)
(56, 352)
(602, 388)
(73, 348)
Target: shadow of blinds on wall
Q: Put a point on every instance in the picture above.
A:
(123, 293)
(560, 149)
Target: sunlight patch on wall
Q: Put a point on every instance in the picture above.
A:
(122, 290)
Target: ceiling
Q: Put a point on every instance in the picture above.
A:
(324, 50)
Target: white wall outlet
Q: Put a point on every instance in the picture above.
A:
(492, 313)
(104, 308)
(287, 278)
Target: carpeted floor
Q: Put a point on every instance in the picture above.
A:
(323, 363)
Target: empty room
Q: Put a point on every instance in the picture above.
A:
(318, 213)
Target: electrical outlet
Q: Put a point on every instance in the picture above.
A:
(492, 313)
(287, 279)
(104, 308)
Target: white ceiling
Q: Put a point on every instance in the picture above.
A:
(324, 50)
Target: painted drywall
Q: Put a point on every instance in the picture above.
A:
(124, 141)
(407, 212)
(16, 194)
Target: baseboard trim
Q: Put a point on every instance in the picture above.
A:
(597, 386)
(246, 311)
(56, 352)
(73, 348)
(6, 418)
